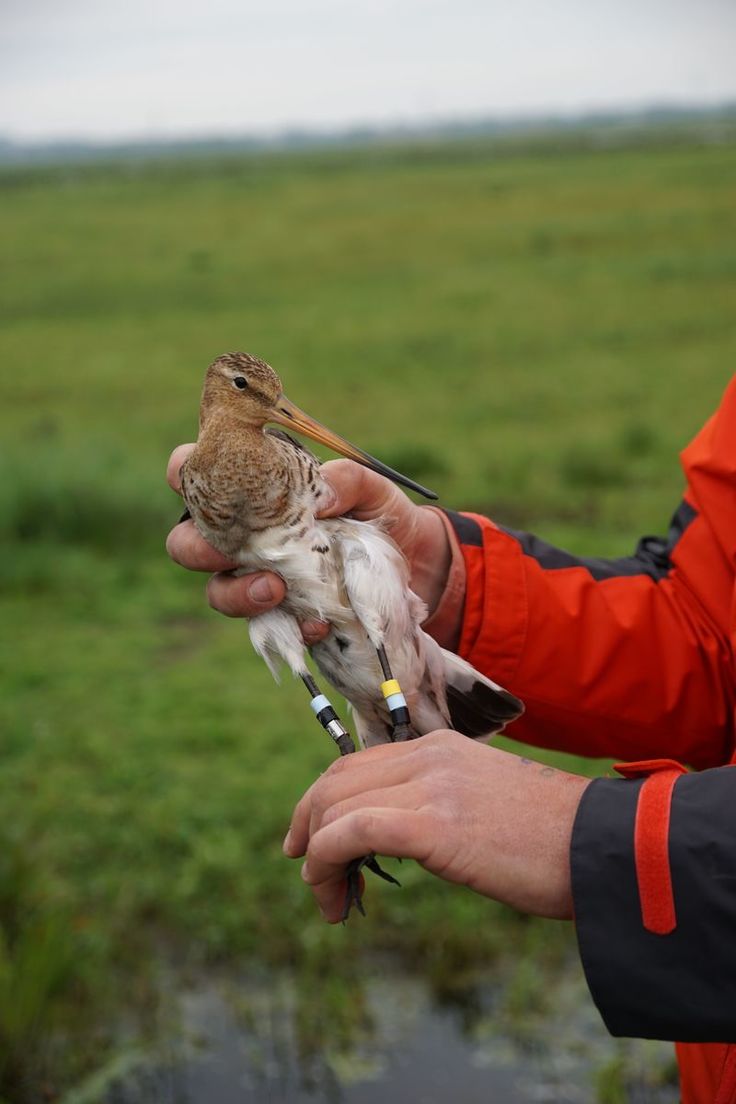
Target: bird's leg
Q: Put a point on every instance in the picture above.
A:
(395, 700)
(328, 718)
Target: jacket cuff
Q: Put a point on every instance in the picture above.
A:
(659, 969)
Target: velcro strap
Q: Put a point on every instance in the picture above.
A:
(651, 841)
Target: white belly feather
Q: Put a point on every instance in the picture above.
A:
(360, 584)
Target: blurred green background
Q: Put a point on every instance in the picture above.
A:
(534, 330)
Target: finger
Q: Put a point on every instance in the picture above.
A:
(372, 787)
(358, 490)
(314, 631)
(245, 595)
(381, 765)
(399, 832)
(173, 467)
(347, 772)
(409, 794)
(186, 547)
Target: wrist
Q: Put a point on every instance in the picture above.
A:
(557, 875)
(432, 559)
(438, 577)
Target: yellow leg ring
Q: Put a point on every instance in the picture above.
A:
(389, 687)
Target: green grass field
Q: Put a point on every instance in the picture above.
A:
(535, 334)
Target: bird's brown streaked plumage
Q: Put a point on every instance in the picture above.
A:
(253, 494)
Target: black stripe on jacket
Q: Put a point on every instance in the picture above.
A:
(652, 556)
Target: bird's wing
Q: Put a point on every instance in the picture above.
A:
(478, 706)
(282, 435)
(376, 578)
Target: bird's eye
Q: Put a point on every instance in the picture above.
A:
(240, 382)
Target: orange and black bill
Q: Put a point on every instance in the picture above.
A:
(286, 414)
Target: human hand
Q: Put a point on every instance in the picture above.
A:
(358, 491)
(495, 822)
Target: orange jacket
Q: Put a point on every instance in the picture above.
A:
(634, 659)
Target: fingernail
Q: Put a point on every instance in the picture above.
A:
(287, 842)
(305, 871)
(260, 590)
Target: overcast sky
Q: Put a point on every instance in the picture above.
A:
(110, 69)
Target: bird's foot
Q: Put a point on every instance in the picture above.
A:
(402, 732)
(354, 891)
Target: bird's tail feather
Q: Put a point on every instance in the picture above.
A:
(275, 636)
(478, 706)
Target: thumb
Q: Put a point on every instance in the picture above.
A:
(173, 468)
(359, 491)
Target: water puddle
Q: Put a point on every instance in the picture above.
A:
(243, 1042)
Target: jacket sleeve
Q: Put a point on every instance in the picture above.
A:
(614, 658)
(627, 658)
(655, 911)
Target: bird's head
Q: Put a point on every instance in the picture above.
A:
(242, 387)
(248, 392)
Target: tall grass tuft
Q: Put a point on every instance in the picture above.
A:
(36, 968)
(79, 498)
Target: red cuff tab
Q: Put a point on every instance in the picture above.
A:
(648, 766)
(651, 841)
